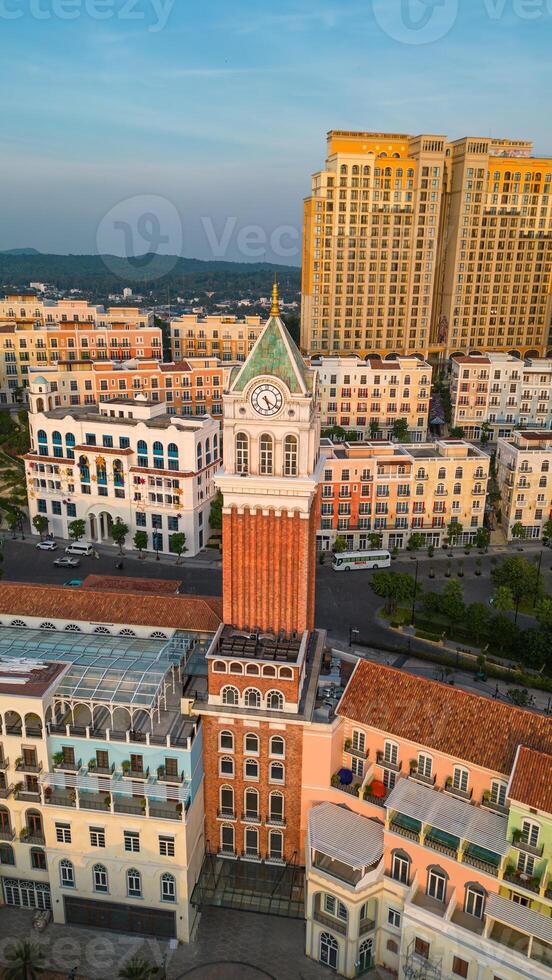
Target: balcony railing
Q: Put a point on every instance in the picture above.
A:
(135, 773)
(33, 767)
(366, 925)
(438, 845)
(358, 753)
(7, 834)
(522, 845)
(420, 778)
(476, 862)
(522, 880)
(251, 817)
(404, 831)
(167, 777)
(495, 807)
(6, 791)
(386, 763)
(4, 763)
(462, 794)
(96, 770)
(332, 923)
(67, 766)
(226, 814)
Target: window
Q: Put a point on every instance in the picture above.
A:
(334, 907)
(277, 746)
(242, 453)
(276, 807)
(437, 884)
(460, 779)
(498, 793)
(290, 456)
(97, 837)
(275, 845)
(38, 859)
(226, 741)
(66, 874)
(459, 967)
(226, 801)
(251, 742)
(134, 883)
(168, 888)
(132, 841)
(358, 741)
(6, 854)
(230, 695)
(530, 833)
(251, 803)
(277, 772)
(226, 766)
(394, 918)
(421, 948)
(251, 769)
(251, 840)
(357, 766)
(63, 833)
(391, 753)
(166, 846)
(252, 698)
(425, 765)
(266, 454)
(227, 839)
(99, 878)
(400, 867)
(474, 903)
(275, 701)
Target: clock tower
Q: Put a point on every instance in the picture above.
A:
(269, 484)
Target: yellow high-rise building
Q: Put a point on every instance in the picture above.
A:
(417, 245)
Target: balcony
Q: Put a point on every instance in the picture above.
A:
(96, 770)
(167, 777)
(67, 766)
(350, 749)
(35, 838)
(27, 796)
(167, 811)
(420, 778)
(6, 791)
(140, 774)
(386, 763)
(399, 826)
(128, 804)
(330, 921)
(250, 817)
(495, 807)
(522, 845)
(351, 788)
(7, 834)
(60, 798)
(522, 880)
(366, 925)
(442, 842)
(32, 767)
(461, 794)
(275, 822)
(4, 764)
(472, 856)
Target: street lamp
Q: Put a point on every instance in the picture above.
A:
(537, 583)
(353, 634)
(156, 544)
(413, 617)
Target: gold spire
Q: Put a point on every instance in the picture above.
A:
(275, 308)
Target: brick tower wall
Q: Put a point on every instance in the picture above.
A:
(269, 567)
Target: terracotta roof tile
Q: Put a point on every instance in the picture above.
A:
(195, 613)
(531, 781)
(462, 725)
(141, 586)
(466, 359)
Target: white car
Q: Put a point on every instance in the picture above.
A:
(47, 545)
(67, 562)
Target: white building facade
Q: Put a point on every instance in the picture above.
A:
(503, 391)
(126, 459)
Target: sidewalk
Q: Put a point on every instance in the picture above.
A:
(208, 558)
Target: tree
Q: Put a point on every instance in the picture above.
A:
(430, 603)
(503, 600)
(547, 528)
(520, 577)
(76, 529)
(518, 530)
(504, 633)
(178, 545)
(375, 539)
(543, 612)
(394, 586)
(339, 544)
(485, 432)
(415, 541)
(138, 969)
(119, 531)
(533, 647)
(140, 541)
(454, 530)
(26, 961)
(215, 514)
(40, 524)
(482, 537)
(477, 619)
(457, 432)
(452, 602)
(400, 430)
(374, 428)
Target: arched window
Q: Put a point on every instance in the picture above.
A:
(84, 469)
(474, 900)
(70, 445)
(275, 845)
(242, 453)
(457, 488)
(440, 488)
(226, 741)
(276, 772)
(276, 807)
(72, 628)
(207, 452)
(168, 887)
(251, 840)
(47, 626)
(227, 845)
(236, 668)
(400, 867)
(252, 698)
(230, 695)
(127, 632)
(158, 457)
(38, 859)
(290, 456)
(118, 475)
(436, 883)
(460, 779)
(251, 743)
(134, 883)
(215, 446)
(275, 701)
(142, 451)
(66, 874)
(266, 455)
(251, 803)
(277, 746)
(329, 950)
(6, 854)
(199, 455)
(459, 473)
(442, 473)
(219, 667)
(545, 466)
(285, 673)
(226, 766)
(101, 470)
(226, 801)
(100, 881)
(269, 671)
(420, 475)
(172, 452)
(251, 769)
(252, 669)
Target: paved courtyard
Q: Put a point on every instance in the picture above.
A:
(230, 946)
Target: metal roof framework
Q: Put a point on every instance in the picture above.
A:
(452, 816)
(345, 836)
(519, 917)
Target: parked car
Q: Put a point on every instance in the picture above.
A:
(47, 545)
(80, 548)
(74, 582)
(67, 562)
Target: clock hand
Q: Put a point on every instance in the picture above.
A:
(267, 402)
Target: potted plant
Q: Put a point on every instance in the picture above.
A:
(107, 800)
(348, 744)
(486, 795)
(57, 758)
(91, 763)
(413, 765)
(73, 795)
(448, 782)
(431, 572)
(179, 807)
(48, 792)
(430, 551)
(143, 804)
(125, 766)
(460, 569)
(478, 564)
(448, 569)
(335, 780)
(19, 760)
(516, 835)
(368, 791)
(24, 833)
(468, 548)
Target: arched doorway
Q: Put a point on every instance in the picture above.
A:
(329, 949)
(99, 526)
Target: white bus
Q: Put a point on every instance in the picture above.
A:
(347, 560)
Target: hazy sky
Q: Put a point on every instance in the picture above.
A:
(182, 124)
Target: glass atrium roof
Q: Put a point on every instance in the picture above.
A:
(106, 669)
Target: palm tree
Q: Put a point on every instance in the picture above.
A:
(25, 959)
(138, 969)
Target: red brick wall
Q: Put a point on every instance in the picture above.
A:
(268, 570)
(291, 789)
(263, 684)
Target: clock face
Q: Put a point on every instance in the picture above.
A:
(267, 399)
